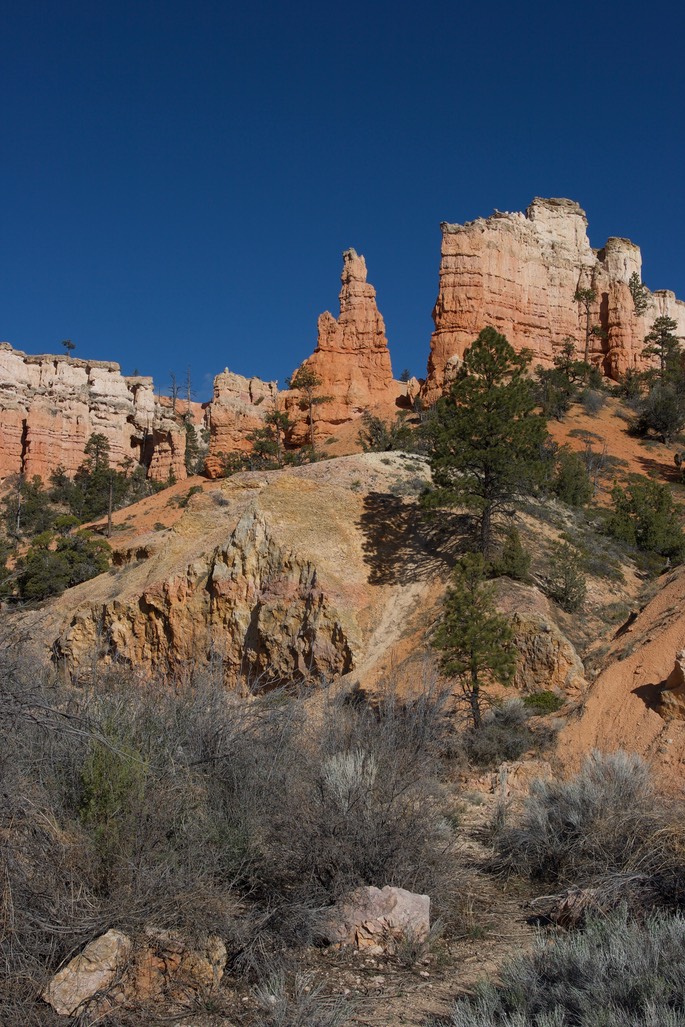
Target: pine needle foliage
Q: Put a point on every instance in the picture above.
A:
(474, 639)
(487, 441)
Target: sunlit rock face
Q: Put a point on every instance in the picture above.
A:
(520, 272)
(50, 406)
(238, 407)
(351, 359)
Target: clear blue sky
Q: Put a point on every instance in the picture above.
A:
(179, 179)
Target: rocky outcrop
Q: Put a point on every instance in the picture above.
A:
(263, 576)
(50, 405)
(546, 660)
(112, 972)
(351, 359)
(238, 407)
(520, 272)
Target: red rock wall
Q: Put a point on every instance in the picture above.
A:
(519, 272)
(51, 405)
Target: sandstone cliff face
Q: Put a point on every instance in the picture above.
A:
(351, 359)
(519, 273)
(50, 405)
(238, 407)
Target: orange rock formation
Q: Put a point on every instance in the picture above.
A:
(520, 272)
(238, 408)
(351, 359)
(50, 405)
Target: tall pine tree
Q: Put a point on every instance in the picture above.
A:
(488, 442)
(474, 639)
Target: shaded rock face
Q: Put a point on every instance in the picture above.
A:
(238, 407)
(112, 972)
(351, 359)
(51, 405)
(519, 273)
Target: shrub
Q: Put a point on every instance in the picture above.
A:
(645, 516)
(53, 564)
(566, 582)
(302, 1004)
(571, 483)
(505, 734)
(618, 973)
(593, 400)
(543, 702)
(379, 436)
(576, 830)
(513, 560)
(662, 412)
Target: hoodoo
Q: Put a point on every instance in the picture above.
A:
(351, 358)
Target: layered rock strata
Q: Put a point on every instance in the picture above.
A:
(51, 405)
(238, 407)
(351, 360)
(520, 272)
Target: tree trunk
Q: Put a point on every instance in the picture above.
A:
(474, 700)
(109, 509)
(311, 422)
(486, 530)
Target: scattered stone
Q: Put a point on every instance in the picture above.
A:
(376, 919)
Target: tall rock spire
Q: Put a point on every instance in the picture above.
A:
(351, 356)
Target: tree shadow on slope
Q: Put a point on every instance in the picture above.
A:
(403, 544)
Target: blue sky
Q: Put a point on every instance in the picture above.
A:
(179, 180)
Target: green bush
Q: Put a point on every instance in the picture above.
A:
(571, 482)
(379, 436)
(566, 582)
(543, 702)
(53, 564)
(513, 560)
(618, 973)
(646, 517)
(662, 411)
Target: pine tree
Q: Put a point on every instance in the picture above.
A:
(663, 343)
(305, 380)
(488, 444)
(473, 638)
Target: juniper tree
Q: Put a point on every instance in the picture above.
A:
(487, 442)
(474, 639)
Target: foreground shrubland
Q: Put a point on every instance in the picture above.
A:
(199, 811)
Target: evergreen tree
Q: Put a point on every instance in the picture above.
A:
(566, 582)
(473, 638)
(639, 292)
(662, 342)
(645, 516)
(306, 381)
(571, 481)
(586, 297)
(487, 442)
